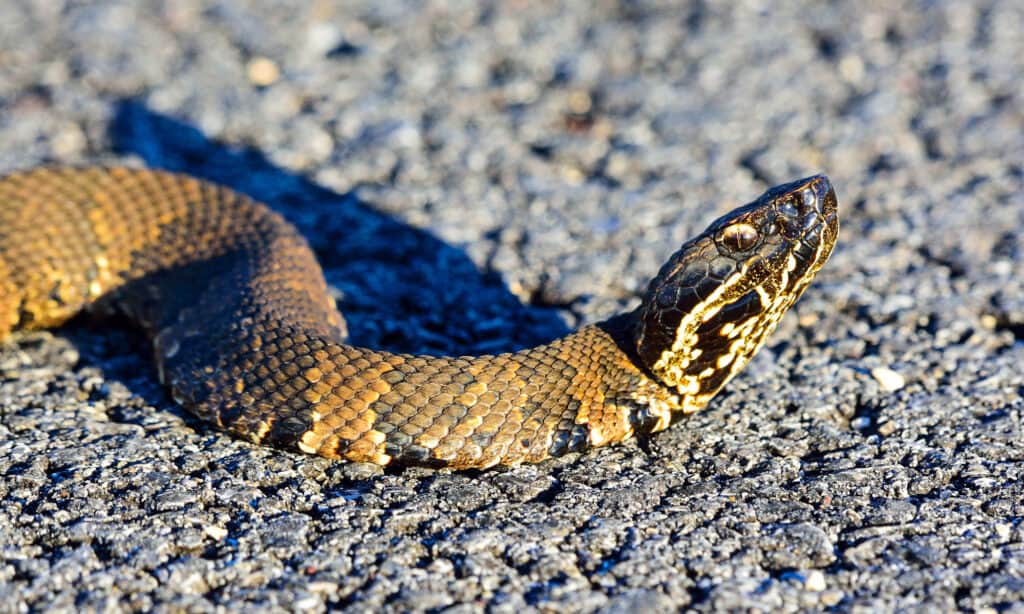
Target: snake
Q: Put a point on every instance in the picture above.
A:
(247, 336)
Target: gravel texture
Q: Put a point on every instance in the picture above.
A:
(482, 176)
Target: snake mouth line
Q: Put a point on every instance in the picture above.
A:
(247, 337)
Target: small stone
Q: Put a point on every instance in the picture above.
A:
(851, 68)
(69, 141)
(831, 598)
(323, 588)
(815, 581)
(806, 320)
(860, 423)
(307, 603)
(889, 380)
(580, 102)
(262, 71)
(215, 532)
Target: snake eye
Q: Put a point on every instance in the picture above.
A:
(738, 237)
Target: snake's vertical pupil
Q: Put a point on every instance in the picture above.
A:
(739, 237)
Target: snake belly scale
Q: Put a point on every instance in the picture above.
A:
(246, 336)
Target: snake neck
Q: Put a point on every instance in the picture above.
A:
(632, 389)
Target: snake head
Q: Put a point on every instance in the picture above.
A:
(717, 299)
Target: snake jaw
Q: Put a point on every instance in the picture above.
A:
(715, 302)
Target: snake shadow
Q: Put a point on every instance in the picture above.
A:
(400, 288)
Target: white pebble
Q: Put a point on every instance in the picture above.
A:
(215, 532)
(815, 581)
(889, 380)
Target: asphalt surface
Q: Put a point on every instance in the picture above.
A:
(481, 178)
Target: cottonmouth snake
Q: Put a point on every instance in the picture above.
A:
(246, 336)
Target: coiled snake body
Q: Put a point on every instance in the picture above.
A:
(246, 336)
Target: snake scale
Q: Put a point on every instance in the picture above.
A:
(246, 336)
